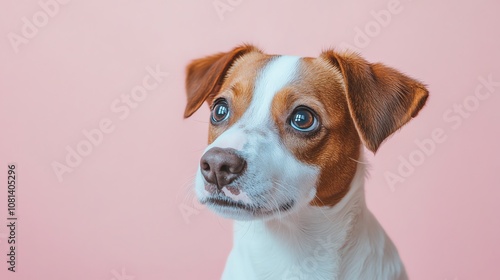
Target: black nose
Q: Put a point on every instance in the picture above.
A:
(221, 166)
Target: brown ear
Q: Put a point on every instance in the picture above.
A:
(380, 98)
(205, 76)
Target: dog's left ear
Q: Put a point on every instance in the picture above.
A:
(204, 76)
(380, 99)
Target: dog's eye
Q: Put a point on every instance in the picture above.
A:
(220, 111)
(303, 120)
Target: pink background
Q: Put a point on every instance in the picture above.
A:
(118, 213)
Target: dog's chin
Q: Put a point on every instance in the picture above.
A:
(230, 209)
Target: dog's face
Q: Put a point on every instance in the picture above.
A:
(285, 132)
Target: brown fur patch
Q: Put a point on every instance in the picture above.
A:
(238, 89)
(354, 100)
(205, 76)
(335, 147)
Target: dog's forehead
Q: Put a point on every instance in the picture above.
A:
(279, 72)
(260, 85)
(259, 77)
(253, 83)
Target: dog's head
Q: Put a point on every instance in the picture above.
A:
(285, 131)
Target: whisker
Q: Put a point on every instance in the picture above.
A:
(188, 189)
(321, 210)
(358, 161)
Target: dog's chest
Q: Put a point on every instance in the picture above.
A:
(278, 263)
(261, 254)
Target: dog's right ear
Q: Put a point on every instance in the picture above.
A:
(204, 76)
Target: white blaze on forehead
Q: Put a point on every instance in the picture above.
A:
(279, 72)
(273, 176)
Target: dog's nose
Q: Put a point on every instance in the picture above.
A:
(221, 166)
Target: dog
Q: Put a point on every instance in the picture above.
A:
(285, 159)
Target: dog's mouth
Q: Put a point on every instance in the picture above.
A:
(222, 204)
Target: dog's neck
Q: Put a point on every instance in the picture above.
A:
(303, 240)
(318, 242)
(313, 223)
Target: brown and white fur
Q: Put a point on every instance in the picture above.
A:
(298, 196)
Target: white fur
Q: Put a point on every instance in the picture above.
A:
(265, 182)
(276, 75)
(306, 242)
(341, 242)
